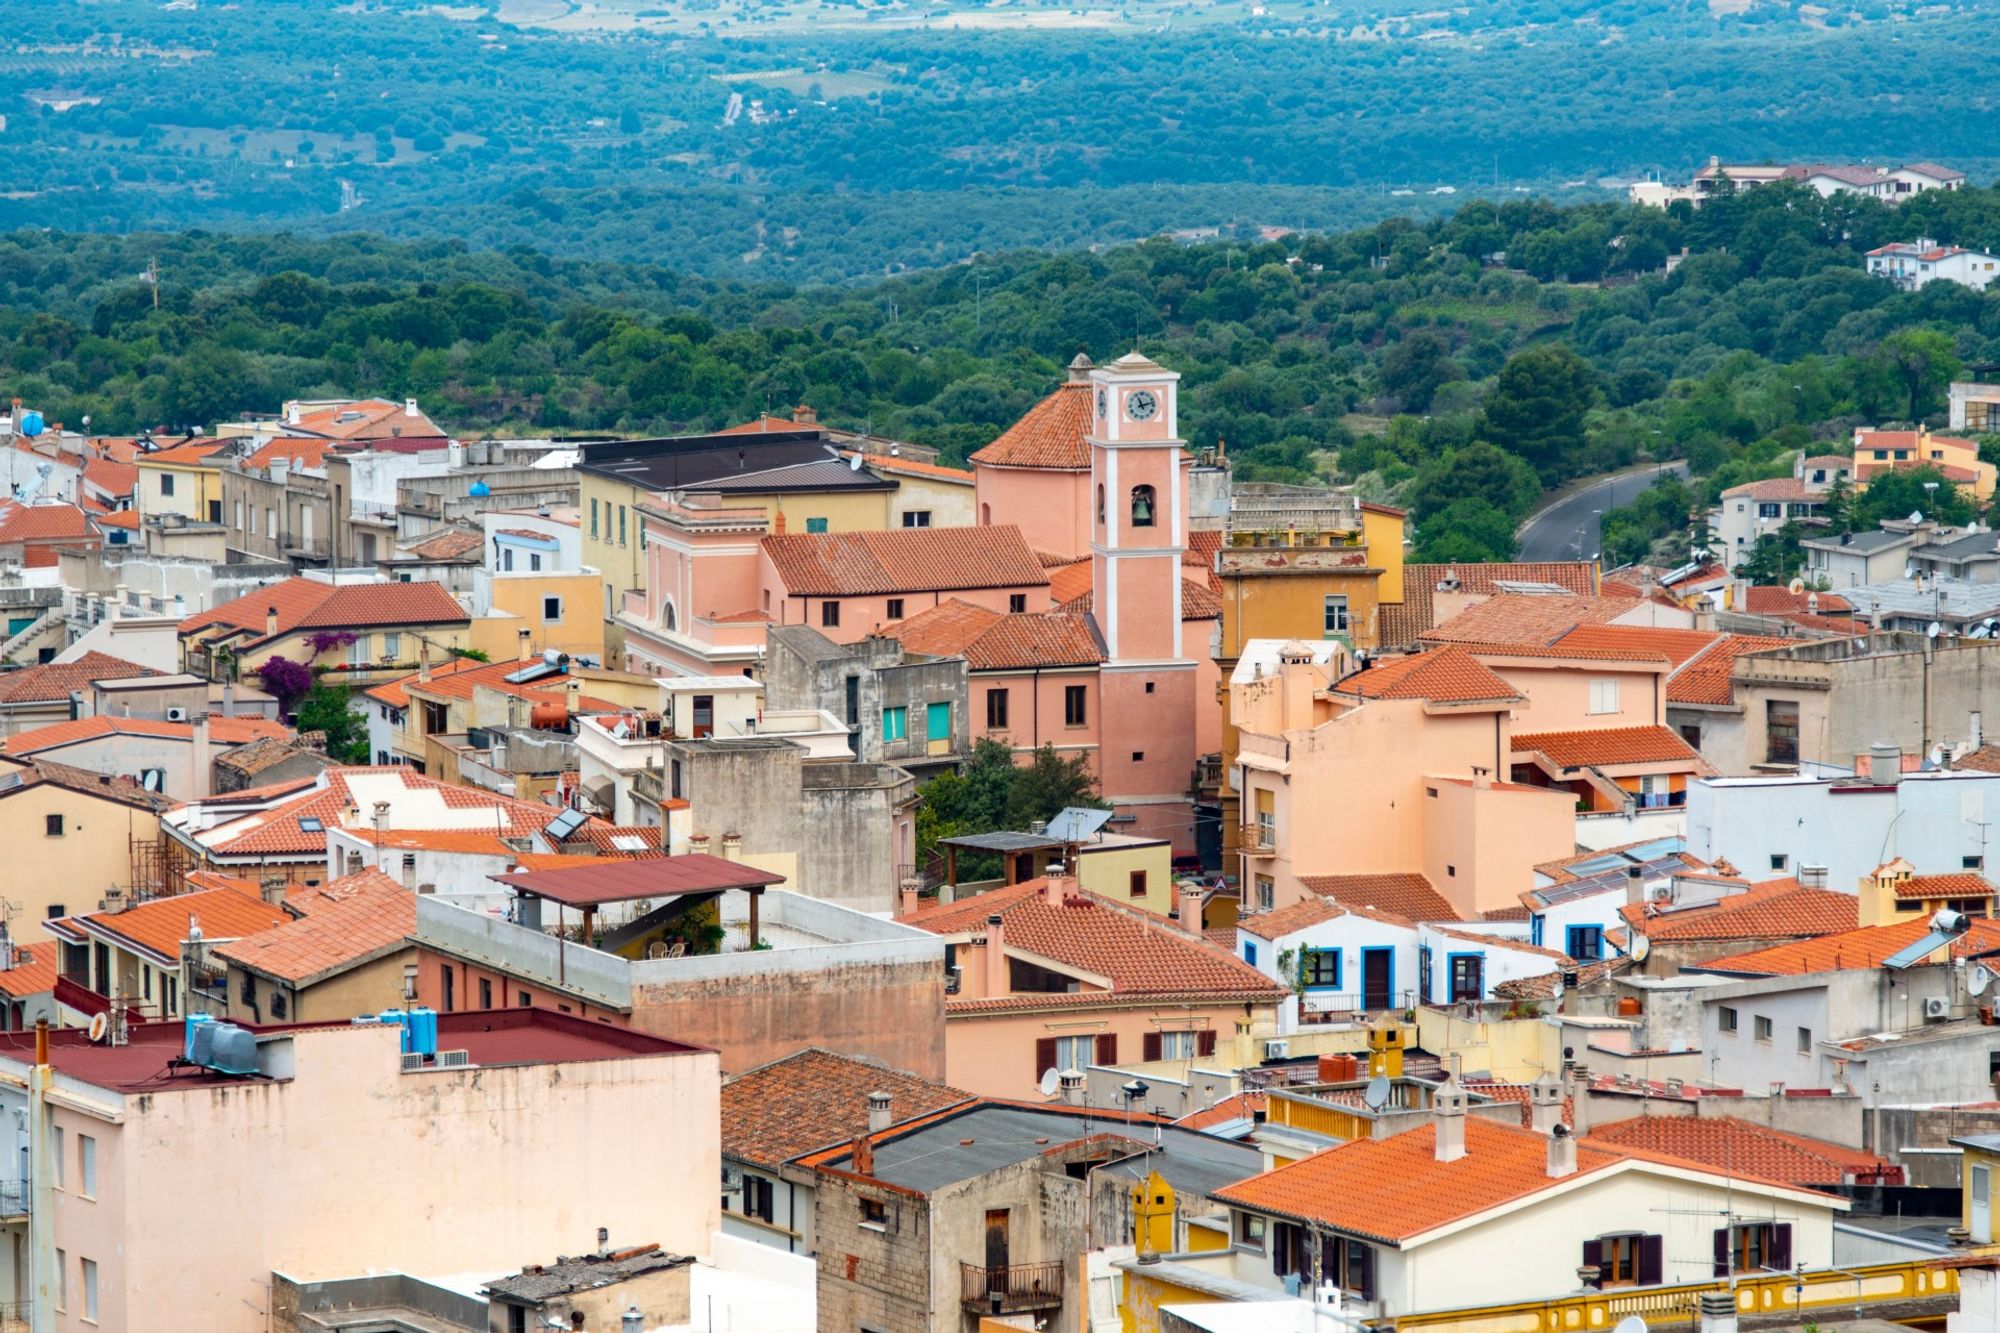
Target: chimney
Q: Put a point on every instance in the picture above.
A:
(381, 819)
(863, 1157)
(1718, 1312)
(804, 416)
(270, 622)
(1191, 898)
(1545, 1104)
(1080, 368)
(410, 408)
(292, 413)
(996, 957)
(1579, 1095)
(1482, 778)
(199, 749)
(271, 889)
(280, 468)
(523, 652)
(879, 1119)
(1448, 1114)
(778, 524)
(1635, 886)
(1812, 877)
(1069, 1087)
(229, 698)
(698, 844)
(907, 898)
(423, 660)
(1885, 764)
(732, 846)
(1562, 1152)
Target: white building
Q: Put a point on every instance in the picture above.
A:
(1914, 264)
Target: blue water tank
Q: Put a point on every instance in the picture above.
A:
(480, 488)
(234, 1050)
(196, 1036)
(422, 1034)
(30, 424)
(397, 1018)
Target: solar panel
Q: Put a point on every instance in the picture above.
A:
(1075, 823)
(564, 824)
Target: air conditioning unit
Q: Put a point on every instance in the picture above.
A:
(1661, 893)
(1937, 1006)
(1277, 1050)
(177, 715)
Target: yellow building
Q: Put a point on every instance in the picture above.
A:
(1880, 451)
(181, 480)
(70, 837)
(1979, 1185)
(343, 956)
(1894, 892)
(559, 611)
(1138, 872)
(611, 543)
(355, 630)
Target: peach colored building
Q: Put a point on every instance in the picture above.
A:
(164, 1196)
(1036, 475)
(1050, 977)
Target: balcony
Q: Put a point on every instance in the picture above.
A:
(1259, 840)
(15, 1197)
(1011, 1288)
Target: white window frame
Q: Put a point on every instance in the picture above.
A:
(1603, 696)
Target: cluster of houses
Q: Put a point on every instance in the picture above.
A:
(1448, 945)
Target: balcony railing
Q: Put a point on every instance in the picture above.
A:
(1351, 1006)
(1012, 1288)
(79, 996)
(15, 1196)
(1259, 839)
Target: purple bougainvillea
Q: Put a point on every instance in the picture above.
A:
(286, 679)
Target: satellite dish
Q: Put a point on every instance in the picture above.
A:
(1933, 629)
(1979, 978)
(1051, 1080)
(100, 1027)
(1639, 951)
(854, 463)
(1631, 1323)
(1377, 1093)
(1795, 587)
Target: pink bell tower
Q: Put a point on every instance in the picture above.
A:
(1138, 475)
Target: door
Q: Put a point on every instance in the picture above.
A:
(937, 728)
(1378, 971)
(1982, 1205)
(1024, 867)
(704, 716)
(996, 1251)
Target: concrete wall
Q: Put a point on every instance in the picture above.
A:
(805, 670)
(878, 1277)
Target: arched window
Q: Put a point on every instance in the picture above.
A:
(667, 617)
(1100, 502)
(986, 516)
(1143, 507)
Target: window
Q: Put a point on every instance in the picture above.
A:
(1143, 507)
(1972, 863)
(1017, 602)
(1753, 1247)
(534, 562)
(937, 722)
(1250, 952)
(1691, 734)
(449, 994)
(1603, 696)
(86, 1166)
(815, 525)
(523, 1000)
(1468, 977)
(517, 1319)
(895, 724)
(1266, 892)
(552, 610)
(874, 1213)
(1768, 510)
(1320, 968)
(1335, 615)
(829, 615)
(1100, 505)
(1781, 731)
(1627, 1260)
(1725, 1019)
(1585, 943)
(996, 709)
(485, 993)
(1250, 1232)
(1136, 884)
(758, 1196)
(1350, 1263)
(1761, 1026)
(1778, 860)
(1805, 1041)
(437, 718)
(62, 1277)
(392, 647)
(357, 652)
(621, 525)
(1074, 714)
(52, 826)
(166, 483)
(1138, 756)
(1065, 1053)
(916, 518)
(56, 1137)
(239, 516)
(853, 701)
(895, 608)
(593, 520)
(1178, 1045)
(271, 523)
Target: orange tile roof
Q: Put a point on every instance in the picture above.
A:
(1446, 676)
(1528, 618)
(460, 677)
(1850, 950)
(276, 831)
(1768, 601)
(221, 731)
(1140, 955)
(1954, 885)
(992, 641)
(1776, 909)
(1564, 651)
(1049, 435)
(41, 522)
(1609, 747)
(111, 477)
(766, 424)
(1678, 646)
(33, 973)
(1071, 581)
(1301, 915)
(816, 1099)
(854, 564)
(119, 518)
(346, 923)
(1731, 1145)
(1707, 679)
(53, 682)
(449, 544)
(1241, 1106)
(364, 419)
(187, 454)
(1402, 624)
(1408, 895)
(160, 926)
(298, 451)
(916, 468)
(304, 603)
(1198, 601)
(1986, 759)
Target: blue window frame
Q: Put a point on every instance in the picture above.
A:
(1535, 924)
(1424, 973)
(815, 525)
(1249, 953)
(1321, 968)
(1585, 943)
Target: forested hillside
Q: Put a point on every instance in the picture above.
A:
(825, 139)
(1401, 355)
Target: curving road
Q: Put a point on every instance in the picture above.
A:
(1568, 529)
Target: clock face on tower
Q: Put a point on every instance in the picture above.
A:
(1141, 404)
(1102, 413)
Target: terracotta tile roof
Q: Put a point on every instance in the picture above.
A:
(188, 454)
(1408, 895)
(41, 522)
(346, 923)
(1678, 646)
(1241, 1106)
(1403, 623)
(1528, 618)
(304, 603)
(816, 1099)
(766, 424)
(1512, 943)
(1446, 676)
(1907, 439)
(298, 451)
(256, 756)
(160, 926)
(104, 786)
(1049, 435)
(52, 683)
(33, 973)
(462, 676)
(111, 477)
(1071, 581)
(1776, 489)
(119, 518)
(993, 641)
(1986, 759)
(1198, 602)
(1955, 885)
(1562, 651)
(364, 419)
(852, 564)
(1521, 1094)
(276, 830)
(1140, 956)
(1706, 679)
(221, 731)
(1776, 909)
(605, 837)
(1222, 937)
(450, 544)
(1609, 747)
(1725, 1143)
(915, 468)
(393, 693)
(1543, 986)
(1761, 600)
(1850, 950)
(1275, 925)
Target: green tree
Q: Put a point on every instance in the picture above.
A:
(1537, 408)
(1046, 785)
(329, 709)
(1469, 532)
(1925, 361)
(1416, 367)
(1915, 490)
(1776, 557)
(1479, 472)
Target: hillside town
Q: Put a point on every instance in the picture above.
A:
(774, 880)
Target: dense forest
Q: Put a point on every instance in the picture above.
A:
(1460, 365)
(827, 139)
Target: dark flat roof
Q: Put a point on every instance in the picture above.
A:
(1002, 841)
(685, 461)
(603, 880)
(828, 474)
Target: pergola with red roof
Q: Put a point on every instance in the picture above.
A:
(601, 881)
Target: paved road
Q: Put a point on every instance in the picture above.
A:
(1568, 529)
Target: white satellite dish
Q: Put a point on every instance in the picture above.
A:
(1795, 587)
(100, 1027)
(1933, 629)
(1978, 978)
(1631, 1323)
(1051, 1080)
(854, 463)
(1640, 948)
(1377, 1093)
